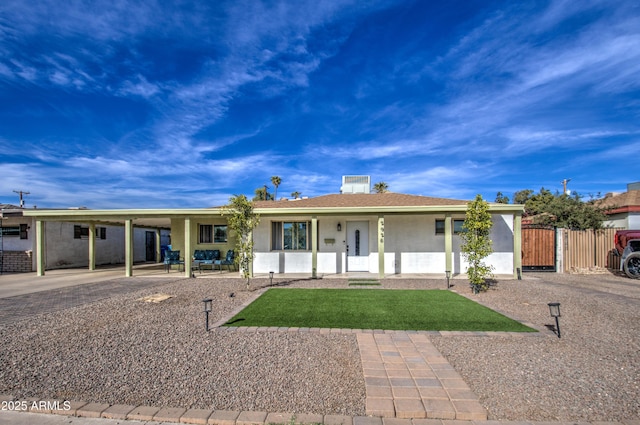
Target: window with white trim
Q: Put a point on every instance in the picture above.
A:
(290, 235)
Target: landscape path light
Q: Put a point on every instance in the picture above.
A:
(448, 274)
(554, 310)
(207, 309)
(270, 278)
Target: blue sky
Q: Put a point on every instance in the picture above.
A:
(122, 104)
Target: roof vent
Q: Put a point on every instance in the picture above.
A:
(356, 184)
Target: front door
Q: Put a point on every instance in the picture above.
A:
(150, 246)
(357, 246)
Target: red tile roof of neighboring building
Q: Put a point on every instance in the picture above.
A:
(623, 202)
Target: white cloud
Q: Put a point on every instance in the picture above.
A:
(140, 87)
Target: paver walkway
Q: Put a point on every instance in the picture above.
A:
(407, 377)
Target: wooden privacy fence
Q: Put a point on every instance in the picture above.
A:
(538, 248)
(584, 249)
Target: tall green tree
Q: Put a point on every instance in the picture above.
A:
(275, 180)
(262, 194)
(242, 220)
(476, 244)
(561, 209)
(502, 199)
(381, 187)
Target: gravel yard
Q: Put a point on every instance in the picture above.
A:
(591, 373)
(125, 351)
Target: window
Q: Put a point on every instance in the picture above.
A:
(209, 233)
(23, 231)
(292, 236)
(205, 233)
(80, 232)
(220, 233)
(457, 227)
(12, 231)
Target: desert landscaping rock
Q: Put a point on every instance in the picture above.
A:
(123, 351)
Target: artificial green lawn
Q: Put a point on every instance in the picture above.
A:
(433, 310)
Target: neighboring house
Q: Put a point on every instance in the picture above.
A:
(67, 244)
(387, 233)
(623, 208)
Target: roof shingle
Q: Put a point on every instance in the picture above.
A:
(388, 199)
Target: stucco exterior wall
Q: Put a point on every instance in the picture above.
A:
(410, 246)
(63, 251)
(177, 236)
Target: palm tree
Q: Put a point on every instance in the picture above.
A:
(275, 180)
(295, 195)
(381, 187)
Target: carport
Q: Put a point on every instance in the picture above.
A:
(129, 218)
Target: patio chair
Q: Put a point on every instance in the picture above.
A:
(198, 258)
(171, 258)
(228, 261)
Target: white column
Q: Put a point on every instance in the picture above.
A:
(40, 251)
(128, 247)
(381, 246)
(92, 246)
(448, 243)
(188, 247)
(314, 247)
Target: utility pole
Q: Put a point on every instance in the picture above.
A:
(564, 185)
(21, 192)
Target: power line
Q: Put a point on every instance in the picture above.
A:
(21, 193)
(564, 185)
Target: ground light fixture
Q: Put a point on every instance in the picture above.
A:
(207, 309)
(270, 278)
(554, 310)
(448, 275)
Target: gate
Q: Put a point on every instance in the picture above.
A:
(538, 248)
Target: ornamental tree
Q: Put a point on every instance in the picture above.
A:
(476, 244)
(242, 220)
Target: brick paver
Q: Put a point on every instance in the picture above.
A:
(406, 377)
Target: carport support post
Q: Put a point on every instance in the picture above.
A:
(158, 246)
(92, 246)
(381, 246)
(40, 256)
(188, 248)
(128, 247)
(448, 244)
(517, 244)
